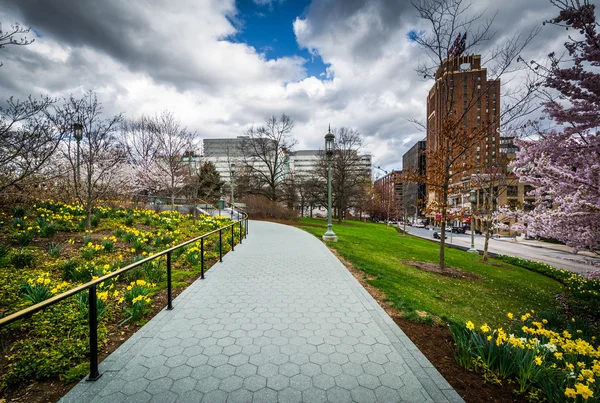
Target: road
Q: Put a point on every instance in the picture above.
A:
(506, 246)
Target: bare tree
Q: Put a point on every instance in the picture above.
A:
(491, 186)
(14, 36)
(386, 199)
(454, 31)
(28, 140)
(101, 158)
(162, 151)
(264, 155)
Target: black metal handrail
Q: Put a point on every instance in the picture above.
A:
(92, 285)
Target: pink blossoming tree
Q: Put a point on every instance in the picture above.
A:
(563, 165)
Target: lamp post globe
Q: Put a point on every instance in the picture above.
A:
(473, 200)
(329, 143)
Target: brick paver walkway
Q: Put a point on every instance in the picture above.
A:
(280, 320)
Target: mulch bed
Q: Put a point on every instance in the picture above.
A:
(448, 271)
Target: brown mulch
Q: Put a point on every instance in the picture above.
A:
(448, 271)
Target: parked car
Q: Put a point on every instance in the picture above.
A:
(436, 234)
(458, 230)
(419, 225)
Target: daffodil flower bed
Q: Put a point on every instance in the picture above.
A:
(45, 251)
(544, 357)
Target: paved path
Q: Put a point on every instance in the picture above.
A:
(280, 320)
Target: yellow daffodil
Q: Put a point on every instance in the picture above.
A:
(570, 392)
(583, 390)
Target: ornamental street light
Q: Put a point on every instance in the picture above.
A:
(329, 141)
(78, 134)
(473, 200)
(232, 171)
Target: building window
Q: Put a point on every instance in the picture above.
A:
(478, 78)
(528, 189)
(478, 117)
(512, 191)
(478, 86)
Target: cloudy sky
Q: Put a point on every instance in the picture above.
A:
(222, 65)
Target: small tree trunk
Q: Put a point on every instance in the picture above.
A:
(486, 226)
(88, 216)
(443, 240)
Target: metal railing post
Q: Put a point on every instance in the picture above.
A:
(169, 283)
(93, 321)
(232, 238)
(220, 245)
(246, 228)
(241, 231)
(202, 258)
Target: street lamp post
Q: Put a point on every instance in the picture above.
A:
(329, 139)
(78, 134)
(473, 200)
(232, 170)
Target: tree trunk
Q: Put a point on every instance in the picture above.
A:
(443, 226)
(486, 227)
(88, 216)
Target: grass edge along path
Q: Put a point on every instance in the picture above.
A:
(379, 253)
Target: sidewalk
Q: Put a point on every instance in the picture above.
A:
(280, 320)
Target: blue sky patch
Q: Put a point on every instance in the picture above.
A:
(268, 28)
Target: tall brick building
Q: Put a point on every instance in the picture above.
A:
(414, 194)
(464, 104)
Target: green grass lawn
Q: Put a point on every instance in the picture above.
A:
(378, 252)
